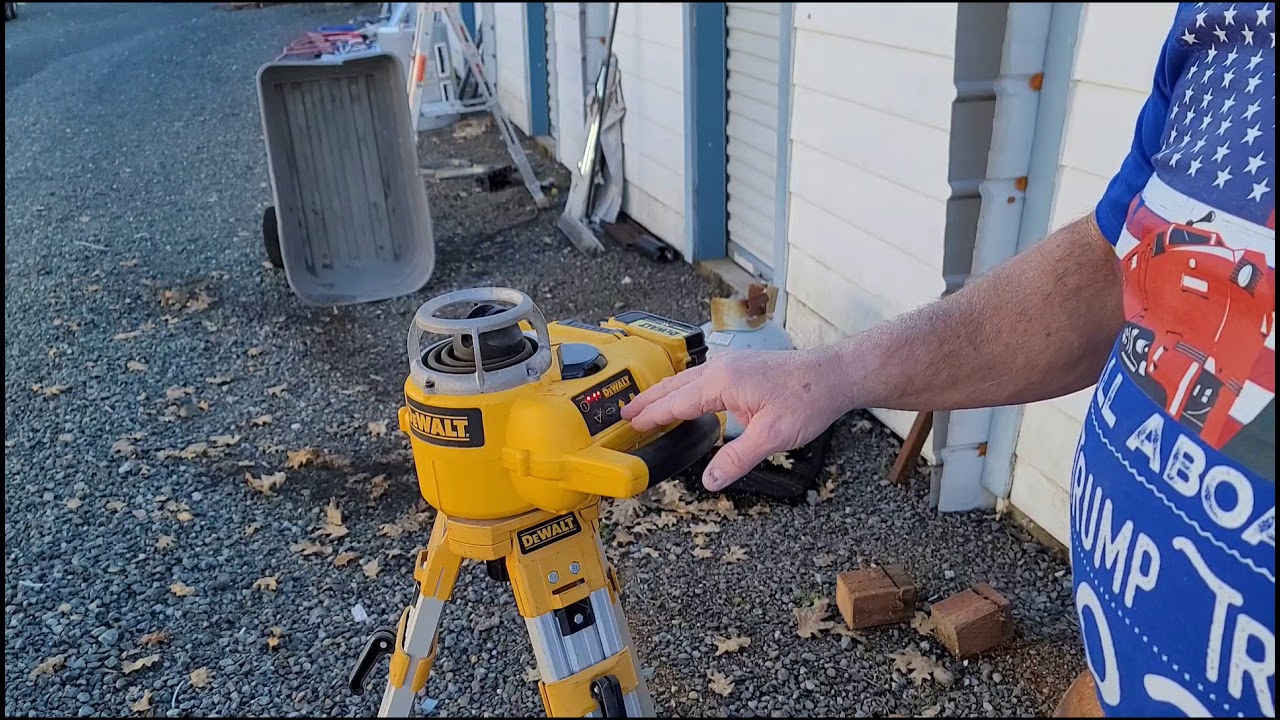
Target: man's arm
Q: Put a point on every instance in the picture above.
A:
(1036, 327)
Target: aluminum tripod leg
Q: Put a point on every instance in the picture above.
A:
(436, 572)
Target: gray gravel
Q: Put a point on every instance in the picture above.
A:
(135, 178)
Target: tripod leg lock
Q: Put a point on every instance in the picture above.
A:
(400, 660)
(576, 695)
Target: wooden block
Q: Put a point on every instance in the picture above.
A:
(876, 596)
(912, 444)
(973, 620)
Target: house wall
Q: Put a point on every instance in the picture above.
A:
(649, 45)
(513, 62)
(1115, 61)
(870, 124)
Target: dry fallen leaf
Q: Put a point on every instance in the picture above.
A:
(275, 638)
(702, 553)
(370, 569)
(224, 440)
(344, 558)
(135, 366)
(729, 645)
(827, 491)
(164, 542)
(390, 530)
(265, 583)
(331, 531)
(184, 517)
(126, 335)
(265, 484)
(74, 503)
(129, 666)
(811, 620)
(200, 677)
(143, 704)
(734, 555)
(704, 528)
(51, 390)
(333, 513)
(922, 623)
(378, 429)
(759, 510)
(650, 552)
(919, 668)
(114, 505)
(824, 559)
(842, 631)
(622, 538)
(623, 511)
(310, 547)
(251, 528)
(254, 351)
(665, 520)
(277, 390)
(49, 666)
(218, 379)
(154, 639)
(181, 589)
(299, 458)
(532, 675)
(782, 460)
(700, 540)
(377, 486)
(718, 683)
(124, 448)
(261, 420)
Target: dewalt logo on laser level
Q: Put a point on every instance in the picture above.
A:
(448, 427)
(551, 531)
(617, 386)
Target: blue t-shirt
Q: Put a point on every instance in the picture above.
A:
(1173, 489)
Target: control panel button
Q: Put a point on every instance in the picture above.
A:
(600, 405)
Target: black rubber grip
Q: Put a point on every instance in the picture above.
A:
(679, 447)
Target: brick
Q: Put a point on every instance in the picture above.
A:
(973, 620)
(876, 596)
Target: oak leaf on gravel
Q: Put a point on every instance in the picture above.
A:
(143, 703)
(811, 621)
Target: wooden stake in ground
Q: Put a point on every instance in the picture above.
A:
(876, 596)
(973, 621)
(912, 444)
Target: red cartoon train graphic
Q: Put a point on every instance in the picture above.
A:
(1200, 330)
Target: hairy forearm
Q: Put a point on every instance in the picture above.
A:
(1038, 326)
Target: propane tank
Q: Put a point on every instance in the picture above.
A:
(744, 323)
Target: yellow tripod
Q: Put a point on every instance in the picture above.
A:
(516, 434)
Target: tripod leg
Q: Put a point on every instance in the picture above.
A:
(436, 571)
(569, 597)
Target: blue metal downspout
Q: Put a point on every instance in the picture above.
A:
(705, 126)
(539, 87)
(469, 17)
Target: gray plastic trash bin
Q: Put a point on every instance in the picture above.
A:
(350, 211)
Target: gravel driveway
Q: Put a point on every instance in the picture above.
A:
(151, 362)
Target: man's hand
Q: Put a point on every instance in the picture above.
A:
(783, 399)
(1037, 327)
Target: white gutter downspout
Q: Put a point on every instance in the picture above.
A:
(968, 450)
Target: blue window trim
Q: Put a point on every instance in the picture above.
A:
(539, 87)
(469, 17)
(705, 126)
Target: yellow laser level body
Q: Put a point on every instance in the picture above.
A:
(551, 442)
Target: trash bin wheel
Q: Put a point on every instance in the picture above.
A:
(271, 237)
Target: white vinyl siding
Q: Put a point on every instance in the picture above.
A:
(752, 40)
(513, 62)
(870, 124)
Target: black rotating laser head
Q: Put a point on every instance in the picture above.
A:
(500, 348)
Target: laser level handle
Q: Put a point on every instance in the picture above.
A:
(679, 447)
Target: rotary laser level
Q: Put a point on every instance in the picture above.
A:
(516, 432)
